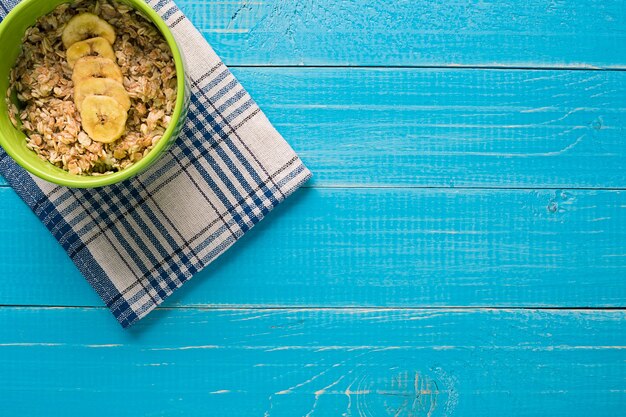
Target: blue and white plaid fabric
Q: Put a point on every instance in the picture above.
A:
(138, 241)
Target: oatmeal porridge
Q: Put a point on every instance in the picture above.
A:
(94, 87)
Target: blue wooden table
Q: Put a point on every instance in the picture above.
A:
(461, 250)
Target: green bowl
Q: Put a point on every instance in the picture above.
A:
(12, 29)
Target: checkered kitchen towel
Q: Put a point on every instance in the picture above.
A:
(137, 241)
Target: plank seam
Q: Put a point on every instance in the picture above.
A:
(444, 187)
(442, 67)
(326, 308)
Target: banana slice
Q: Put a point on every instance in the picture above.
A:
(101, 87)
(85, 26)
(96, 67)
(103, 118)
(90, 47)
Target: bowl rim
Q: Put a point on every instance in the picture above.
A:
(92, 181)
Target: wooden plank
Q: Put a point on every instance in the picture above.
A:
(376, 247)
(463, 128)
(188, 362)
(488, 128)
(524, 33)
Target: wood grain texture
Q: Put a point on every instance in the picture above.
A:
(463, 128)
(426, 127)
(534, 33)
(377, 247)
(366, 363)
(491, 189)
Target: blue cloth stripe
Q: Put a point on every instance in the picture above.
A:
(200, 129)
(232, 84)
(124, 243)
(231, 101)
(143, 227)
(94, 274)
(163, 231)
(215, 125)
(214, 81)
(220, 152)
(244, 162)
(220, 235)
(169, 12)
(218, 128)
(159, 5)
